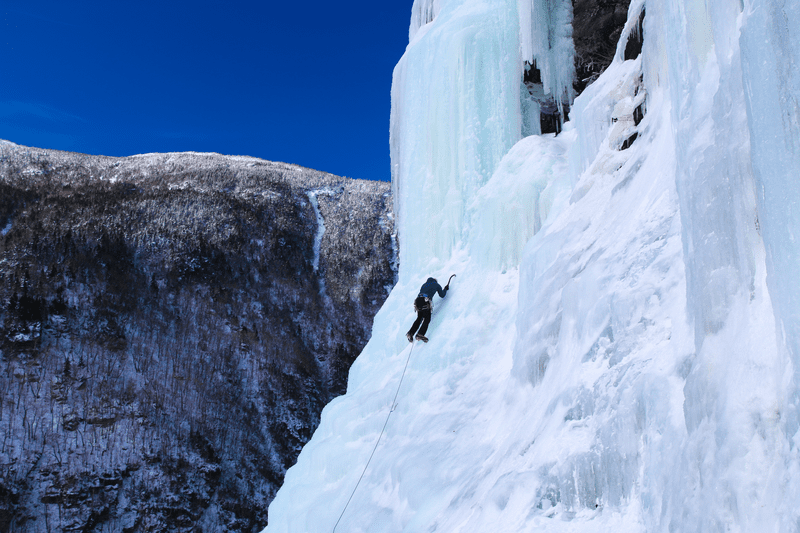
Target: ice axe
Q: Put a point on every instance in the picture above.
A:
(447, 287)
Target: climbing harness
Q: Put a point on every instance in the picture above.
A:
(423, 306)
(394, 405)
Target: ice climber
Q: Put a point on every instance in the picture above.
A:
(423, 307)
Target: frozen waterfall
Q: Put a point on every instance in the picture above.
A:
(621, 348)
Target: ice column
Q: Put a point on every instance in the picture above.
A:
(734, 375)
(771, 64)
(455, 114)
(714, 181)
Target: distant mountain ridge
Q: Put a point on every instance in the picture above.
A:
(170, 327)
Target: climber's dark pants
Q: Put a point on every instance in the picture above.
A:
(423, 316)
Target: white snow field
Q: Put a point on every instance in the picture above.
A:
(620, 349)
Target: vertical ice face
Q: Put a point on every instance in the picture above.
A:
(455, 114)
(627, 376)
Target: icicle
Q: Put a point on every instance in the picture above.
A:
(422, 12)
(546, 38)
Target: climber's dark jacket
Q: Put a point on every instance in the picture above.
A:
(430, 288)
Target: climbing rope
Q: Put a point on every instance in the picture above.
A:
(394, 404)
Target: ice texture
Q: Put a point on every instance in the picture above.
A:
(621, 348)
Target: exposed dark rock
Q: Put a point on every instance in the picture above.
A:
(596, 28)
(633, 47)
(171, 326)
(627, 143)
(638, 113)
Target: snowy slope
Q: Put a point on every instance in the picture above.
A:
(619, 351)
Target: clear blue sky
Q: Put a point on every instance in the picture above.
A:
(285, 80)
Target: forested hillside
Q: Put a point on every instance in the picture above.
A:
(171, 326)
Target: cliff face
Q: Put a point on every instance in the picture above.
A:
(171, 326)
